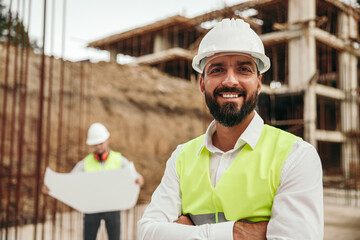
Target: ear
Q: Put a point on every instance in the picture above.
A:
(260, 83)
(202, 86)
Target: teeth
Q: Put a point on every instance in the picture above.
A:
(230, 95)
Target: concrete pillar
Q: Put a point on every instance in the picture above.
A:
(302, 50)
(161, 43)
(349, 107)
(113, 55)
(310, 115)
(302, 60)
(347, 27)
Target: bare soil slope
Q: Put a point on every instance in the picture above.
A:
(147, 112)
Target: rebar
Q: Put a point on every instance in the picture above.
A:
(4, 223)
(21, 119)
(39, 152)
(48, 120)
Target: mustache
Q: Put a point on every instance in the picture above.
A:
(239, 91)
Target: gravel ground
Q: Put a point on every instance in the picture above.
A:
(341, 222)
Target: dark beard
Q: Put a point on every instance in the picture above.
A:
(228, 115)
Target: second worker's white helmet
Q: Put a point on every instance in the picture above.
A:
(97, 133)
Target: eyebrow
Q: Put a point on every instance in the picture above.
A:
(245, 63)
(238, 63)
(220, 64)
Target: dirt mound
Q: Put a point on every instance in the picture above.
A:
(147, 112)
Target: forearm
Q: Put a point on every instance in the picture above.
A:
(165, 207)
(253, 231)
(218, 231)
(158, 221)
(149, 229)
(241, 230)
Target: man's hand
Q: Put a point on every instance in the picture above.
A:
(139, 180)
(45, 190)
(184, 220)
(251, 231)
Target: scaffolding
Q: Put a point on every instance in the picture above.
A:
(312, 88)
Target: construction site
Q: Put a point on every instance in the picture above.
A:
(46, 105)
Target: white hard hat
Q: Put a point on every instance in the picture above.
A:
(97, 133)
(231, 36)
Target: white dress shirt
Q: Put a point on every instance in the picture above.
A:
(297, 211)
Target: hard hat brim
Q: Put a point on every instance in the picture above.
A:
(198, 62)
(92, 142)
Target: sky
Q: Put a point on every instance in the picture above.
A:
(89, 20)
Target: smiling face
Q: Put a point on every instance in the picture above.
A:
(231, 87)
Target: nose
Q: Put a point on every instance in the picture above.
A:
(230, 79)
(97, 147)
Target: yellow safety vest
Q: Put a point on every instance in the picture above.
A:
(113, 161)
(246, 189)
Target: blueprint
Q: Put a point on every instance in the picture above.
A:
(91, 192)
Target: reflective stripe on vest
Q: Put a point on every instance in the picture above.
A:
(113, 161)
(246, 189)
(210, 218)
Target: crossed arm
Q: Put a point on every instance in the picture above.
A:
(241, 230)
(160, 218)
(297, 211)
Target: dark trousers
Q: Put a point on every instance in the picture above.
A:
(92, 224)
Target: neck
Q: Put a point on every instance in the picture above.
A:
(225, 138)
(106, 150)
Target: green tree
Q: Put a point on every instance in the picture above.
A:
(2, 19)
(18, 33)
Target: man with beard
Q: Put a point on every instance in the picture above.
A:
(242, 179)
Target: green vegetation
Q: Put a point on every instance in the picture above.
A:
(18, 32)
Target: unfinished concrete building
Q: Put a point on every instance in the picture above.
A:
(312, 88)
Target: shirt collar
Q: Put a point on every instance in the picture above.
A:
(250, 136)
